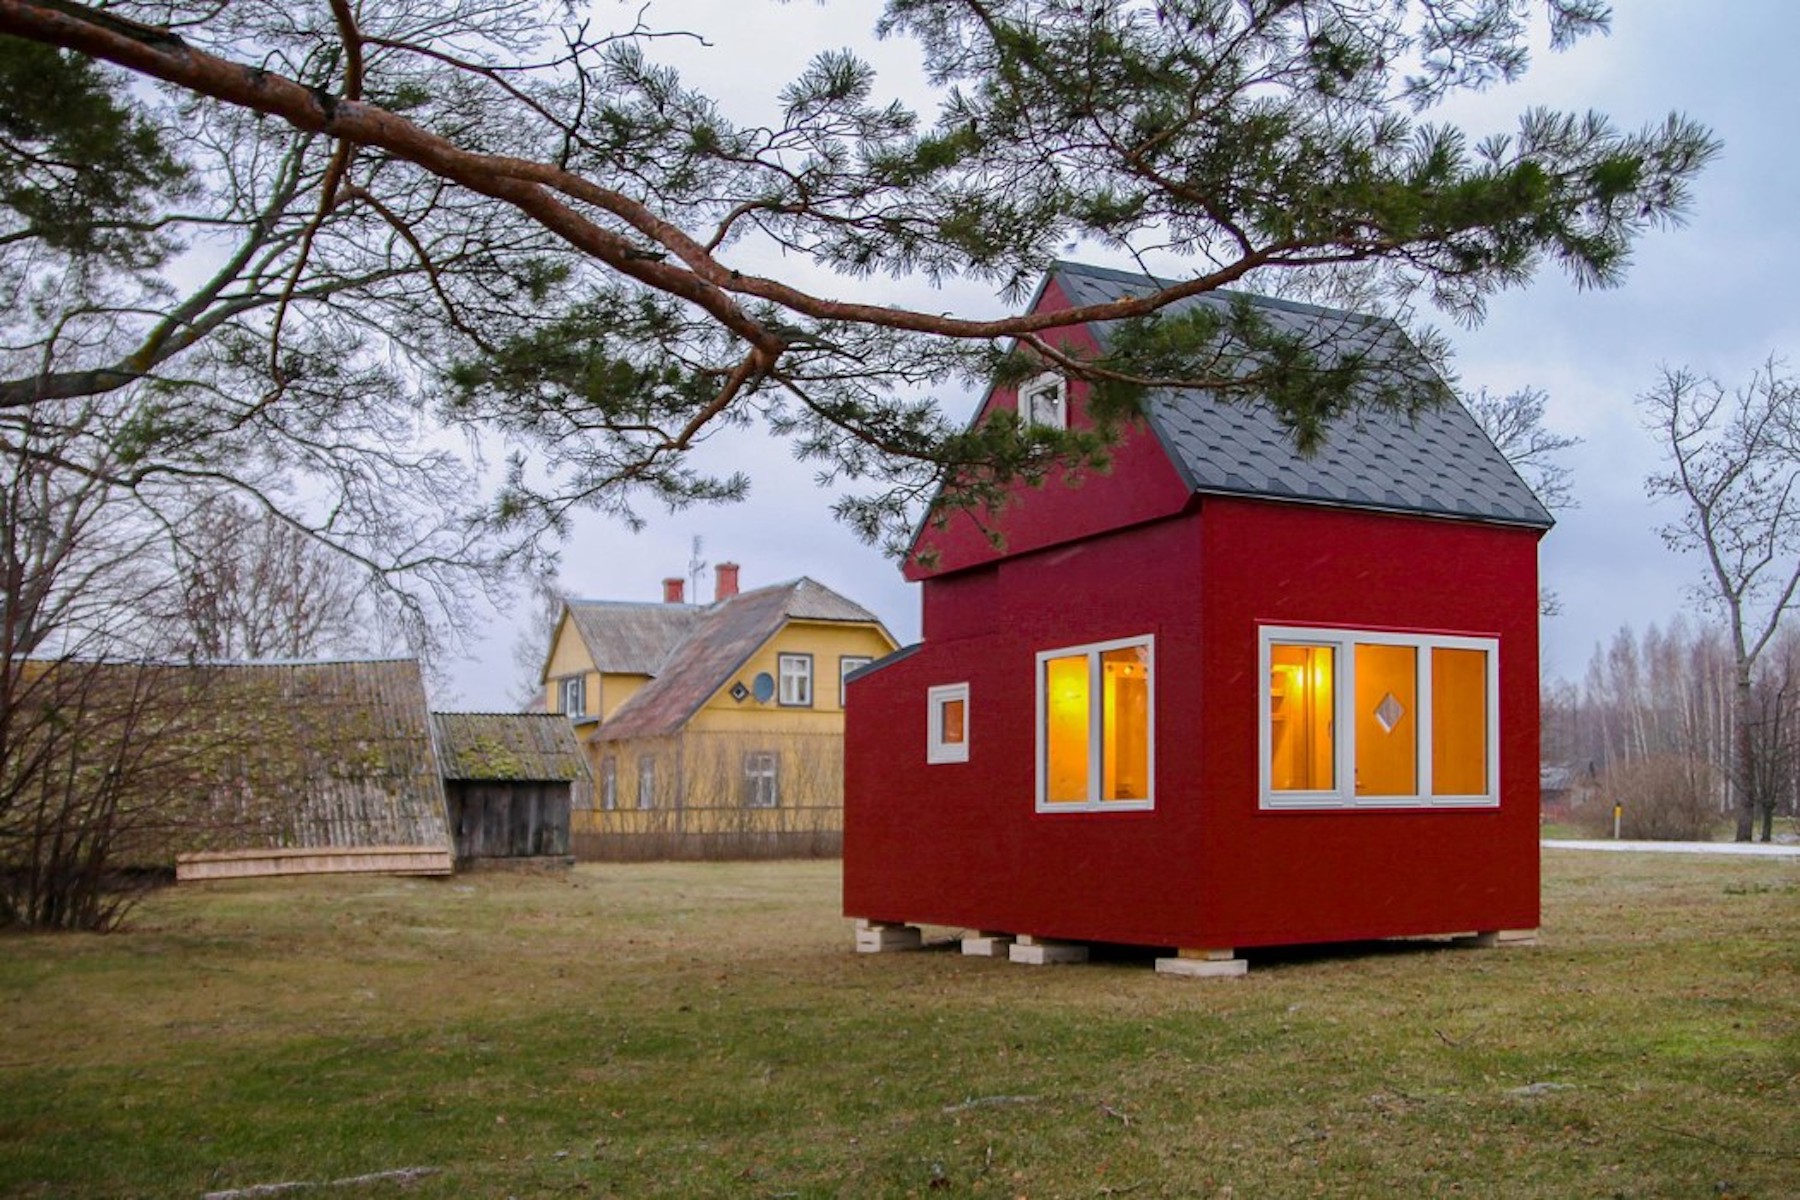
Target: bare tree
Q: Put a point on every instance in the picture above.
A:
(252, 585)
(93, 767)
(1734, 467)
(544, 599)
(1515, 424)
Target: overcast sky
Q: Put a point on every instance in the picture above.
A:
(1717, 295)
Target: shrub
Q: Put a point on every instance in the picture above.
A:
(1666, 797)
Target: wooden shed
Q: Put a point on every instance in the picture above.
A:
(509, 781)
(1222, 696)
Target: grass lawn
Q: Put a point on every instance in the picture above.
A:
(704, 1030)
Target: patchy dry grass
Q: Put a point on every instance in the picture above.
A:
(702, 1029)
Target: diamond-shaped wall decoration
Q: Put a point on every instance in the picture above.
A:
(1389, 712)
(739, 692)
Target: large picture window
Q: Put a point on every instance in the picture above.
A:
(1095, 727)
(1377, 720)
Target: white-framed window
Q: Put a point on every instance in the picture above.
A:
(762, 779)
(1096, 727)
(1359, 719)
(947, 723)
(646, 797)
(609, 783)
(796, 677)
(574, 696)
(1044, 400)
(848, 663)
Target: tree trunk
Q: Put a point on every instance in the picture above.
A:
(1742, 755)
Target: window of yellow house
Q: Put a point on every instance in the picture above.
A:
(1365, 719)
(646, 797)
(609, 783)
(574, 696)
(947, 723)
(762, 779)
(848, 664)
(796, 680)
(1096, 727)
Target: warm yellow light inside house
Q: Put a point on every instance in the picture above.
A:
(953, 722)
(1301, 699)
(1387, 726)
(1066, 718)
(1125, 728)
(1459, 721)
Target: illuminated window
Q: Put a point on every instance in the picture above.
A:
(1044, 401)
(1377, 719)
(1096, 710)
(796, 680)
(947, 723)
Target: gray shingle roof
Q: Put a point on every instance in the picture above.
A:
(631, 638)
(328, 754)
(723, 639)
(1439, 462)
(528, 747)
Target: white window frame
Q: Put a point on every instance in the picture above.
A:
(797, 670)
(937, 750)
(762, 779)
(1343, 644)
(848, 663)
(646, 790)
(609, 784)
(574, 697)
(1096, 731)
(1049, 385)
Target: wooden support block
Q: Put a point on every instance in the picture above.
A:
(1195, 967)
(1480, 941)
(877, 937)
(1211, 955)
(983, 944)
(1042, 952)
(1516, 937)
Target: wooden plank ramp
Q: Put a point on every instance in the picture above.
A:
(315, 860)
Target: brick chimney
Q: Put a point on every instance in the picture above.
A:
(673, 591)
(726, 584)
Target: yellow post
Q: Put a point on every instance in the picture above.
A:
(1618, 811)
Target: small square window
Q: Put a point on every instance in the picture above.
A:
(796, 680)
(1044, 401)
(947, 723)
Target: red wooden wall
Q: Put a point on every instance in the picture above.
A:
(962, 845)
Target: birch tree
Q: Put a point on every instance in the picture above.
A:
(1733, 466)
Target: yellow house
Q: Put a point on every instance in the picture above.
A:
(711, 730)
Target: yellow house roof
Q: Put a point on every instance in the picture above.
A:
(722, 639)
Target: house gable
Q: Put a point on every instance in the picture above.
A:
(1190, 445)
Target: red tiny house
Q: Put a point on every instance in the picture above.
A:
(1114, 672)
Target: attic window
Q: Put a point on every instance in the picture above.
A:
(796, 672)
(1378, 720)
(1044, 401)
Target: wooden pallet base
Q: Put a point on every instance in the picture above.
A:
(1492, 939)
(1043, 952)
(1203, 964)
(987, 945)
(879, 937)
(317, 860)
